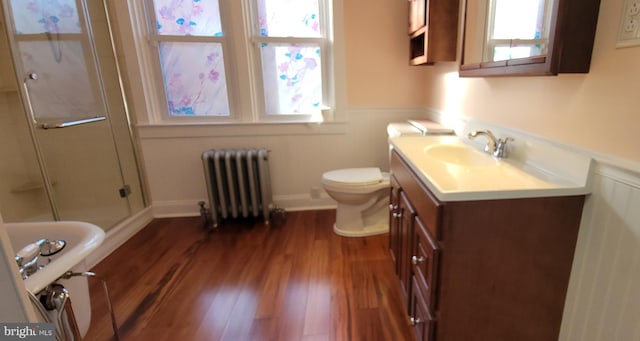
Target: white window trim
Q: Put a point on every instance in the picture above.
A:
(240, 71)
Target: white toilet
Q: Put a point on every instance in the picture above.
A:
(363, 193)
(363, 196)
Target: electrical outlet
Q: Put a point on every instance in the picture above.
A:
(630, 25)
(633, 8)
(629, 31)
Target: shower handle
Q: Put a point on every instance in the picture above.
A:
(25, 85)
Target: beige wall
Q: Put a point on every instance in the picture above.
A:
(598, 111)
(376, 53)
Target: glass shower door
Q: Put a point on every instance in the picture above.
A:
(65, 101)
(22, 195)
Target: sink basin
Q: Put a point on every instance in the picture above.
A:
(460, 155)
(82, 238)
(455, 171)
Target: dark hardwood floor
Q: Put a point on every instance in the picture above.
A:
(248, 281)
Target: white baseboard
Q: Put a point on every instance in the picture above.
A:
(119, 234)
(293, 202)
(303, 202)
(176, 208)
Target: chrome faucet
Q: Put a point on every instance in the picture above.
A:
(27, 258)
(495, 146)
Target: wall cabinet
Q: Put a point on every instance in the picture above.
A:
(481, 270)
(433, 31)
(562, 40)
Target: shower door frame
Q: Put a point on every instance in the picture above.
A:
(97, 81)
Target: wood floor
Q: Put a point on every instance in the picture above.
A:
(246, 281)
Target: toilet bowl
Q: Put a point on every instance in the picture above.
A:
(362, 195)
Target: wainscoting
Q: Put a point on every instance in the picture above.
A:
(603, 302)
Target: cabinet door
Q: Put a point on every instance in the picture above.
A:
(417, 14)
(421, 320)
(406, 240)
(394, 224)
(425, 260)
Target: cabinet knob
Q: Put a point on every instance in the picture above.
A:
(397, 215)
(416, 320)
(393, 207)
(416, 260)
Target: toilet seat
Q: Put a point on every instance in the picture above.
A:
(353, 177)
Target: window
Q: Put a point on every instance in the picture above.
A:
(519, 29)
(284, 78)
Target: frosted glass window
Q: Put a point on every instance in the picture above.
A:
(291, 39)
(289, 18)
(194, 79)
(45, 16)
(181, 18)
(292, 78)
(288, 45)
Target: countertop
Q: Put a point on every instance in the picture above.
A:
(538, 170)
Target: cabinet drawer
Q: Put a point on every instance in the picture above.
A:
(421, 319)
(427, 207)
(425, 260)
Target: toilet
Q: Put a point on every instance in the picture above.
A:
(362, 194)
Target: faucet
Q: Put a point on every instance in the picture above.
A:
(495, 146)
(27, 258)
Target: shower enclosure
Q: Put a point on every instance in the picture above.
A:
(66, 149)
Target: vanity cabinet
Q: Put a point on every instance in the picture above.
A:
(433, 31)
(484, 269)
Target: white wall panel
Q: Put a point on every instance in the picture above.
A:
(603, 302)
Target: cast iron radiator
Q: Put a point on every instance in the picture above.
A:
(238, 185)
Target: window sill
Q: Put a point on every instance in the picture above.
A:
(190, 130)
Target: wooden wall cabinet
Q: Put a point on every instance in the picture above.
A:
(481, 270)
(433, 31)
(569, 41)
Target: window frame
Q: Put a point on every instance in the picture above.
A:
(243, 68)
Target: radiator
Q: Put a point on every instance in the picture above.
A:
(238, 184)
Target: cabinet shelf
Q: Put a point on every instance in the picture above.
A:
(418, 47)
(433, 31)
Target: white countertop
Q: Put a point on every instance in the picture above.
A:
(538, 170)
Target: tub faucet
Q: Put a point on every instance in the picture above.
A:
(27, 258)
(495, 146)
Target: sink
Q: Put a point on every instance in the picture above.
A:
(81, 239)
(460, 155)
(455, 170)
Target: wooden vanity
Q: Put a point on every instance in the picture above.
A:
(481, 269)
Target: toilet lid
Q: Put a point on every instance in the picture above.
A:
(354, 176)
